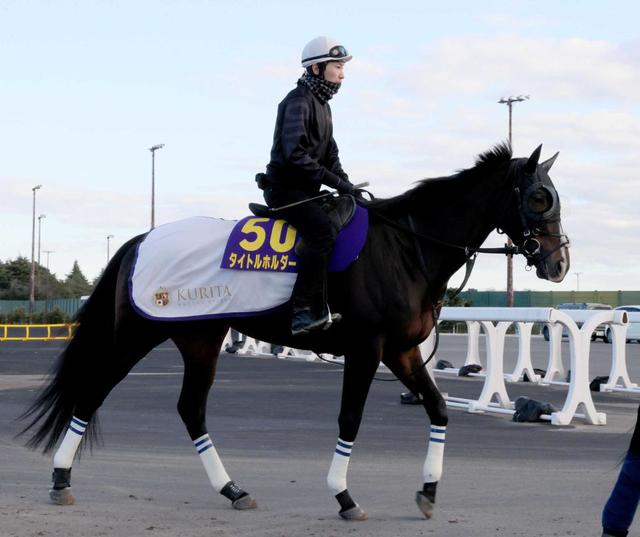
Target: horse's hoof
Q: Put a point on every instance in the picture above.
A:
(424, 504)
(355, 513)
(62, 496)
(245, 502)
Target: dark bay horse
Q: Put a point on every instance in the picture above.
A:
(388, 298)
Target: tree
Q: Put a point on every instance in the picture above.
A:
(76, 284)
(48, 286)
(97, 279)
(15, 279)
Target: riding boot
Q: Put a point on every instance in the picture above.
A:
(309, 300)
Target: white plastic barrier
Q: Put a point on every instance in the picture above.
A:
(619, 359)
(580, 344)
(290, 352)
(494, 384)
(494, 376)
(253, 346)
(228, 340)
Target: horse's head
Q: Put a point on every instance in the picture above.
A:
(533, 221)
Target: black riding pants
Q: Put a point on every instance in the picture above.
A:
(318, 236)
(309, 219)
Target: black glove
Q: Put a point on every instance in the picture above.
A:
(345, 187)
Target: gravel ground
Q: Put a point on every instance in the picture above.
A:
(274, 424)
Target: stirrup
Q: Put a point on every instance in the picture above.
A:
(333, 318)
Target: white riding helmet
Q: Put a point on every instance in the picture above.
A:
(323, 49)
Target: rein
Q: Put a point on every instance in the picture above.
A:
(530, 248)
(468, 250)
(470, 255)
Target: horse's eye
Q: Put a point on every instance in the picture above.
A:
(540, 201)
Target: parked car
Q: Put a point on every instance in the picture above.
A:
(633, 330)
(599, 332)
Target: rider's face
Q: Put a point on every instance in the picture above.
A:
(334, 72)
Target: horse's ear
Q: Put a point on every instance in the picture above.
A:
(546, 165)
(532, 163)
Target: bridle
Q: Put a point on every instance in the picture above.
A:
(531, 220)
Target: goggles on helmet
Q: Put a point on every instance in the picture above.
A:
(335, 54)
(338, 52)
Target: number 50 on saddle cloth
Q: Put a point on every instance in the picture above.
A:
(205, 267)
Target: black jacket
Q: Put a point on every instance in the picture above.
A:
(304, 155)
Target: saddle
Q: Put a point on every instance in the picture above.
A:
(340, 209)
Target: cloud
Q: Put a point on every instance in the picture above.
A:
(547, 68)
(395, 122)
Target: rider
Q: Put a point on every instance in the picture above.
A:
(304, 157)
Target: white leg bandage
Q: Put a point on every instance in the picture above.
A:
(212, 464)
(337, 478)
(432, 470)
(67, 450)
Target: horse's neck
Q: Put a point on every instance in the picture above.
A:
(461, 214)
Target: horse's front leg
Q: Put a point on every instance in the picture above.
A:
(409, 368)
(358, 374)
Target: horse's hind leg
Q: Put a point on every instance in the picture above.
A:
(200, 353)
(116, 360)
(408, 367)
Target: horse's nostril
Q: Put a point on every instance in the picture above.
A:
(560, 266)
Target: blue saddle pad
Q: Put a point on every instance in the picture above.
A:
(268, 245)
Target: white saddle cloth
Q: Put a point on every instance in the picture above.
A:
(177, 275)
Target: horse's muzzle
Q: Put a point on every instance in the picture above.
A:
(555, 266)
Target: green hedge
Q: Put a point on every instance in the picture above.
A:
(21, 316)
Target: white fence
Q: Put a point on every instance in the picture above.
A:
(579, 324)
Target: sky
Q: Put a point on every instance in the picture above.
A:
(87, 87)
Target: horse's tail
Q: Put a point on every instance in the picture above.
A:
(54, 406)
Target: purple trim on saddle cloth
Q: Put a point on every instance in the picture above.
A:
(267, 245)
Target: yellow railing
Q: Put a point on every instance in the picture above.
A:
(36, 332)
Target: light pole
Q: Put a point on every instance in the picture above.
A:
(40, 233)
(578, 274)
(48, 252)
(509, 102)
(32, 290)
(109, 237)
(153, 150)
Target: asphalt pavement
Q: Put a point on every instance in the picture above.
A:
(274, 425)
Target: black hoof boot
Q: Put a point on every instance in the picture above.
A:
(240, 499)
(426, 499)
(60, 492)
(350, 510)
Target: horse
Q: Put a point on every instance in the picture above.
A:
(389, 299)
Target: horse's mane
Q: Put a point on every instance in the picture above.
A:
(436, 187)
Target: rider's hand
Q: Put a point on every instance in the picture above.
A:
(345, 187)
